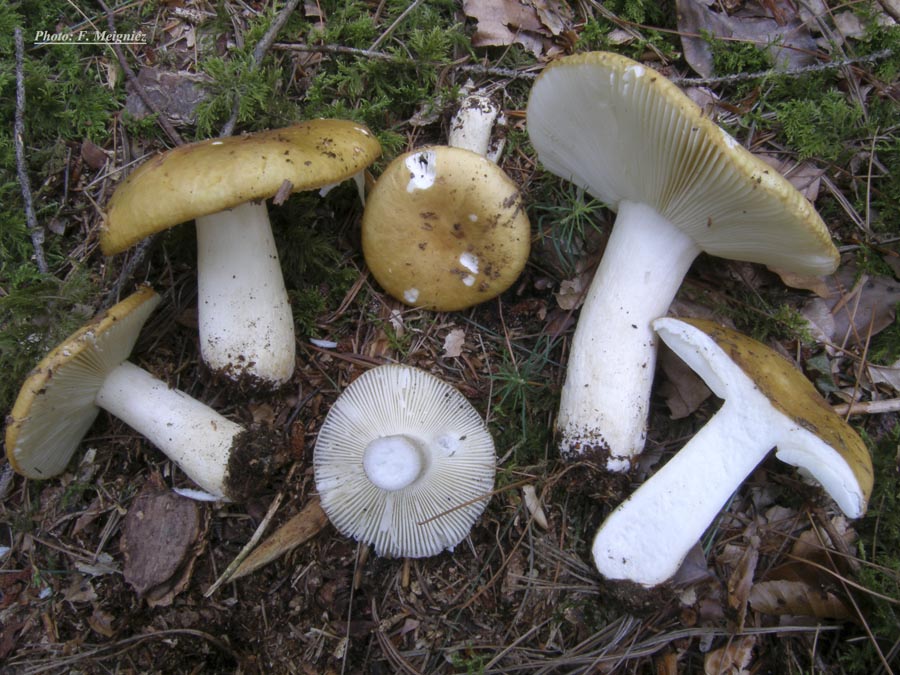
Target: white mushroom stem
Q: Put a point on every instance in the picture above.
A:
(246, 326)
(605, 399)
(472, 125)
(191, 434)
(393, 462)
(648, 536)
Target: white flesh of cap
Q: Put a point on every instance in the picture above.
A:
(246, 325)
(190, 433)
(646, 538)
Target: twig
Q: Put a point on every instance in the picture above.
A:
(37, 232)
(161, 118)
(259, 53)
(868, 407)
(390, 29)
(795, 72)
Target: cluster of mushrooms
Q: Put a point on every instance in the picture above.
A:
(402, 460)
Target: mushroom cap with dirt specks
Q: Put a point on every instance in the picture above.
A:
(56, 403)
(419, 507)
(445, 228)
(213, 175)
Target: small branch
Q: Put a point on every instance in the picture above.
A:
(796, 72)
(161, 118)
(390, 29)
(37, 232)
(868, 407)
(259, 53)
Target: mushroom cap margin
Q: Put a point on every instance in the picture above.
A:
(55, 406)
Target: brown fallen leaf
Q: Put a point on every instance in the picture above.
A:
(161, 540)
(732, 659)
(797, 598)
(299, 529)
(453, 343)
(785, 36)
(855, 306)
(682, 389)
(505, 22)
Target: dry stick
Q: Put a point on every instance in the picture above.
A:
(37, 232)
(259, 52)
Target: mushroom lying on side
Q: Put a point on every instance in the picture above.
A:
(445, 228)
(403, 461)
(62, 397)
(767, 403)
(246, 326)
(681, 185)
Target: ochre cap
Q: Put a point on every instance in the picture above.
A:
(444, 229)
(213, 175)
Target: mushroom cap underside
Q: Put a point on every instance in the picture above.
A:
(213, 175)
(445, 228)
(55, 406)
(624, 132)
(437, 510)
(840, 462)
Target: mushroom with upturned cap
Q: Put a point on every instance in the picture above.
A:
(681, 185)
(62, 397)
(403, 461)
(444, 228)
(246, 326)
(767, 403)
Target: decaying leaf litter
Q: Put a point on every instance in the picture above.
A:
(780, 581)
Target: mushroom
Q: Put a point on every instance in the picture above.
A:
(246, 326)
(444, 228)
(767, 403)
(62, 397)
(403, 461)
(681, 185)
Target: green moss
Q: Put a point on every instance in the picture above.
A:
(820, 127)
(879, 550)
(733, 56)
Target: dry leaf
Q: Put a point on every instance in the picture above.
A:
(300, 528)
(732, 659)
(533, 504)
(160, 542)
(682, 389)
(805, 176)
(741, 580)
(853, 307)
(572, 291)
(789, 40)
(505, 22)
(797, 598)
(453, 343)
(93, 155)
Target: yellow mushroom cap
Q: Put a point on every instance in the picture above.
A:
(444, 228)
(56, 404)
(217, 174)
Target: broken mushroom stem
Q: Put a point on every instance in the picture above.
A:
(190, 433)
(473, 124)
